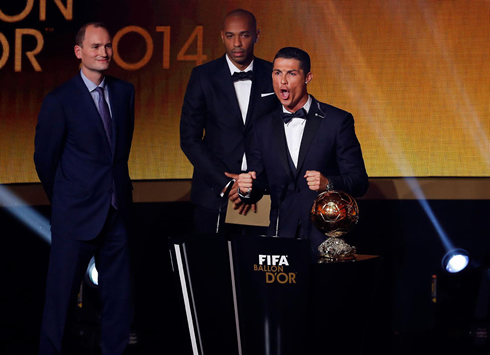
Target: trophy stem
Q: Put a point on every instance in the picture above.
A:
(335, 249)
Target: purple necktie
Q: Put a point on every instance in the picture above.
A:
(105, 114)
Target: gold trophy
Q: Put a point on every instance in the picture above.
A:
(335, 213)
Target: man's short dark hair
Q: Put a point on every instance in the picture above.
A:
(80, 37)
(241, 12)
(298, 54)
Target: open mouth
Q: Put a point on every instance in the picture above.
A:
(284, 94)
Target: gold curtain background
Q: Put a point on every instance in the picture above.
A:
(415, 75)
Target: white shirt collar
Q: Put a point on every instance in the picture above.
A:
(90, 84)
(233, 67)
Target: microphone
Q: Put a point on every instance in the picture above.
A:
(317, 114)
(281, 199)
(225, 195)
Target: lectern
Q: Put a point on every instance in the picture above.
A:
(263, 295)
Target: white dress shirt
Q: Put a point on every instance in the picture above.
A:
(242, 90)
(294, 132)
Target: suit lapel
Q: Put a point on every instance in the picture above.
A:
(258, 81)
(315, 116)
(280, 141)
(226, 84)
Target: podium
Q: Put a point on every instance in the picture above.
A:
(263, 295)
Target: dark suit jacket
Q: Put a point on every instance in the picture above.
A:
(210, 105)
(74, 160)
(329, 145)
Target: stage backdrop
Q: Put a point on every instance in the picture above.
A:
(415, 74)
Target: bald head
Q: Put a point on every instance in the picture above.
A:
(241, 13)
(239, 35)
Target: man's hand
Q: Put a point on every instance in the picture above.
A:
(245, 182)
(316, 181)
(235, 198)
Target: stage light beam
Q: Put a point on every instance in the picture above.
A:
(370, 93)
(38, 224)
(26, 214)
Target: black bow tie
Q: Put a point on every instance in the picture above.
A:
(301, 113)
(243, 75)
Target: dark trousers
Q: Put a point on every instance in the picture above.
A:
(68, 263)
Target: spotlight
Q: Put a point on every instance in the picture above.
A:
(92, 276)
(455, 260)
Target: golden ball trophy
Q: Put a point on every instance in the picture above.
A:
(335, 213)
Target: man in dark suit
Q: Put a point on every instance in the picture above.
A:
(223, 99)
(299, 150)
(82, 144)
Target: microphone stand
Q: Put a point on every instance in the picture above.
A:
(281, 199)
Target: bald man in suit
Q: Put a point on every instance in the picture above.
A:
(223, 100)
